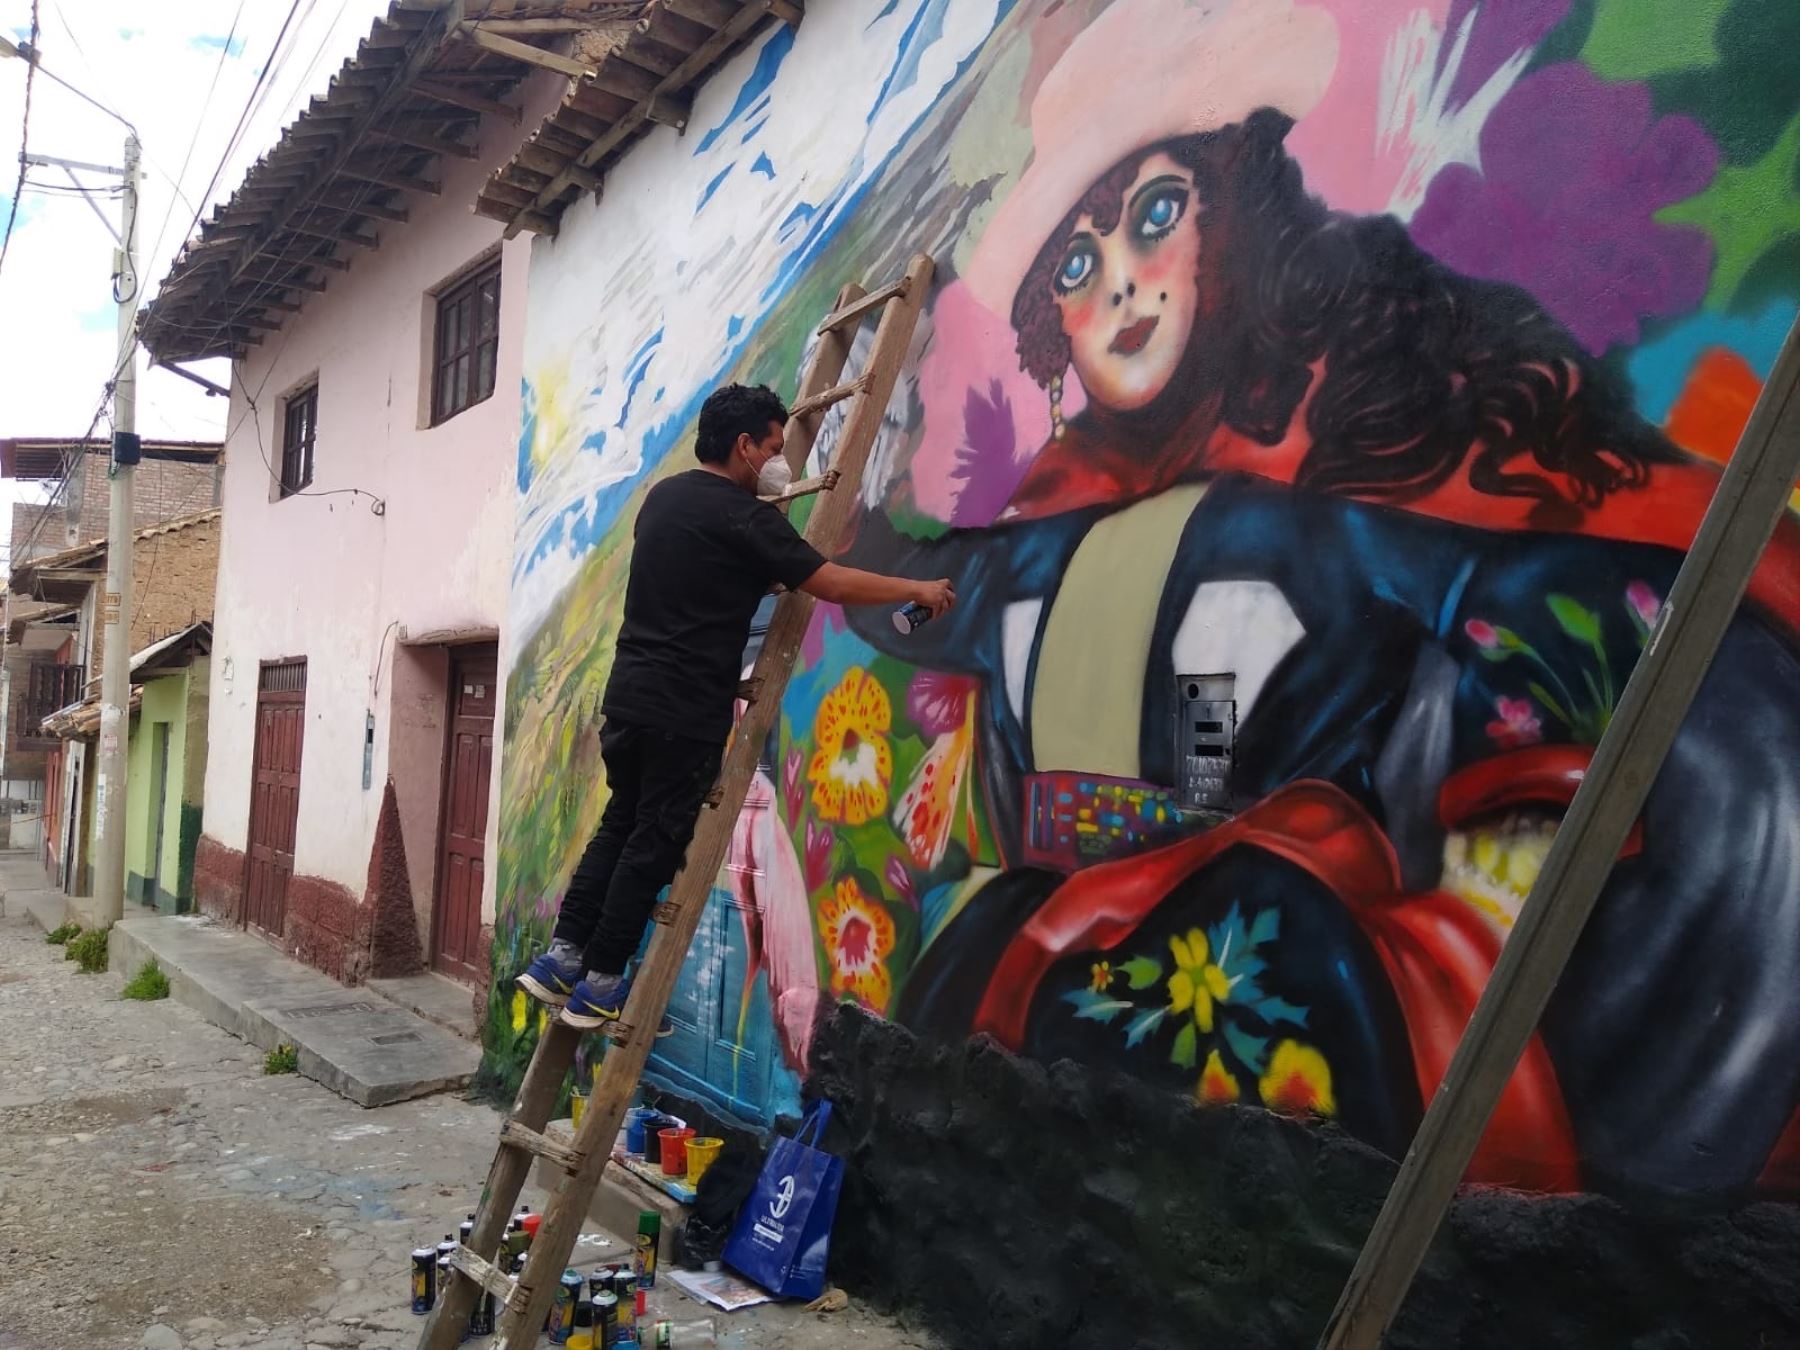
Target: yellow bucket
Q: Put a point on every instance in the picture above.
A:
(577, 1107)
(701, 1154)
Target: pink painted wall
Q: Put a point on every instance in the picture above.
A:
(405, 531)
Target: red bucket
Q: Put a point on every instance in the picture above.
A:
(674, 1151)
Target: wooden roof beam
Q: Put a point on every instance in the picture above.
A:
(524, 52)
(424, 140)
(345, 235)
(461, 98)
(404, 182)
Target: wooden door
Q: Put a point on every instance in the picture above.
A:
(462, 854)
(274, 793)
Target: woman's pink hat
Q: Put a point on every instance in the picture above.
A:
(1147, 71)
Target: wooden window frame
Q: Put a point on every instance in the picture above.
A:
(299, 439)
(457, 337)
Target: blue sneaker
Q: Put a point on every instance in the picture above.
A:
(590, 1011)
(552, 977)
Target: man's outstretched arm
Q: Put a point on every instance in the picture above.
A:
(842, 585)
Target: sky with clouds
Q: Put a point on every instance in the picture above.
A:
(167, 67)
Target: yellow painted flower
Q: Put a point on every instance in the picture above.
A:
(859, 935)
(852, 764)
(1216, 1085)
(1101, 976)
(518, 1011)
(1298, 1082)
(1197, 983)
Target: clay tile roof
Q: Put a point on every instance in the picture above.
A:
(625, 78)
(417, 86)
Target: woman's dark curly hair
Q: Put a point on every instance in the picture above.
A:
(1424, 368)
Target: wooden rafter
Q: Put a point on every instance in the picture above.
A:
(524, 51)
(462, 98)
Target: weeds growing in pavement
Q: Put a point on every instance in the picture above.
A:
(148, 985)
(58, 937)
(282, 1059)
(88, 951)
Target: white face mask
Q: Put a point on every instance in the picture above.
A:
(774, 477)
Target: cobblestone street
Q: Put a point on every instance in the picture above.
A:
(157, 1189)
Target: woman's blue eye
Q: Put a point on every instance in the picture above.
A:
(1158, 215)
(1076, 268)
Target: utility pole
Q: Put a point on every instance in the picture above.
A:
(115, 676)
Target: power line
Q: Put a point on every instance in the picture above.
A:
(12, 216)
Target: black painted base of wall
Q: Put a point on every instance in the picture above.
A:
(1013, 1206)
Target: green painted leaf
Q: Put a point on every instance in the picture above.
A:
(1543, 696)
(1274, 1008)
(1142, 1025)
(1510, 641)
(1095, 1007)
(1251, 1051)
(1141, 971)
(1576, 619)
(1183, 1055)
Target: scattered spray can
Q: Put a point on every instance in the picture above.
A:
(447, 1246)
(625, 1286)
(424, 1280)
(606, 1318)
(649, 1233)
(562, 1312)
(910, 617)
(465, 1230)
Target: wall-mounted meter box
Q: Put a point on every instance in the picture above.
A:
(1205, 732)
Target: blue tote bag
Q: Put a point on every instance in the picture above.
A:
(783, 1231)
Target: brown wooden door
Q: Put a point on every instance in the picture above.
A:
(274, 793)
(462, 857)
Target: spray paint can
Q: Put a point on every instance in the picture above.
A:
(562, 1312)
(625, 1286)
(606, 1318)
(447, 1246)
(481, 1320)
(424, 1280)
(649, 1233)
(910, 617)
(465, 1230)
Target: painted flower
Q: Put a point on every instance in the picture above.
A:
(1216, 1086)
(938, 703)
(852, 763)
(859, 936)
(1516, 725)
(1197, 983)
(819, 844)
(1482, 634)
(1100, 976)
(899, 876)
(1644, 602)
(794, 782)
(1298, 1082)
(519, 1008)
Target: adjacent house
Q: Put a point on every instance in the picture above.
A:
(175, 479)
(374, 325)
(174, 571)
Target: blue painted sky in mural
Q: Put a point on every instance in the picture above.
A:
(768, 65)
(640, 367)
(764, 167)
(713, 187)
(807, 230)
(1659, 369)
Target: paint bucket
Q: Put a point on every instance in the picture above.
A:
(654, 1125)
(702, 1153)
(577, 1108)
(674, 1151)
(635, 1120)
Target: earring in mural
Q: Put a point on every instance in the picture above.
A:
(1056, 417)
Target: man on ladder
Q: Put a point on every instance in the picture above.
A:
(708, 545)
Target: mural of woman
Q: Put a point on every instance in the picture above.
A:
(1219, 318)
(1423, 534)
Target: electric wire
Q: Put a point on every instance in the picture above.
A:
(12, 214)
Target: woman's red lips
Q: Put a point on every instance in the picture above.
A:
(1130, 341)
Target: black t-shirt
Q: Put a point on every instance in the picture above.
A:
(705, 555)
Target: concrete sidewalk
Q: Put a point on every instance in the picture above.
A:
(358, 1042)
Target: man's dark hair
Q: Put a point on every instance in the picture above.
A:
(736, 410)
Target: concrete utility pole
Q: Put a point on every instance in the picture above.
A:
(115, 677)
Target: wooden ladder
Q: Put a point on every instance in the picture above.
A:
(525, 1301)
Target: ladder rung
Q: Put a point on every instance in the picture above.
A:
(489, 1276)
(856, 309)
(519, 1136)
(749, 689)
(665, 911)
(714, 796)
(818, 403)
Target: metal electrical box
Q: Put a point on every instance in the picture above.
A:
(1204, 737)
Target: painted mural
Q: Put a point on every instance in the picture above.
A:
(1312, 410)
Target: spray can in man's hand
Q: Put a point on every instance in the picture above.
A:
(910, 617)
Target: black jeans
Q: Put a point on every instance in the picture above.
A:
(658, 781)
